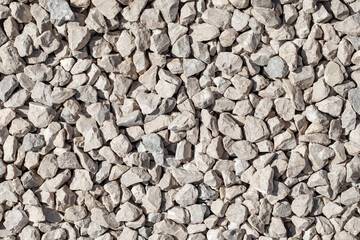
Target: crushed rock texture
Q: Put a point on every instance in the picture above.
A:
(179, 119)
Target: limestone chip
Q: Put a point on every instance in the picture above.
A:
(15, 220)
(60, 11)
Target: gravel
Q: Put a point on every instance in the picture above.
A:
(179, 119)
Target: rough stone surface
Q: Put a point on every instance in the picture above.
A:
(179, 119)
(60, 11)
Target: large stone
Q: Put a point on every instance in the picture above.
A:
(183, 122)
(168, 8)
(33, 142)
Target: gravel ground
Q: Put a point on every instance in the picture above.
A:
(179, 119)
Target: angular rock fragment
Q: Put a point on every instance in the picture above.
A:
(128, 213)
(276, 68)
(266, 16)
(333, 74)
(255, 129)
(203, 99)
(244, 150)
(135, 175)
(192, 67)
(48, 42)
(60, 11)
(121, 145)
(302, 77)
(109, 8)
(78, 36)
(33, 142)
(204, 32)
(153, 143)
(11, 62)
(319, 155)
(229, 127)
(40, 115)
(81, 180)
(7, 85)
(262, 180)
(15, 220)
(354, 99)
(183, 122)
(229, 63)
(302, 205)
(187, 195)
